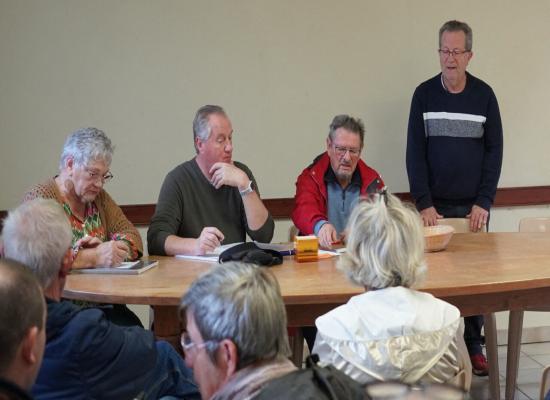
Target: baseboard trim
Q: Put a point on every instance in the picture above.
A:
(533, 334)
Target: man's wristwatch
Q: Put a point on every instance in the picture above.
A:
(249, 189)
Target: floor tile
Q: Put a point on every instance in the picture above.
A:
(542, 359)
(531, 390)
(536, 348)
(525, 362)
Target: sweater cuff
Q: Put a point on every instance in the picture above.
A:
(318, 225)
(484, 203)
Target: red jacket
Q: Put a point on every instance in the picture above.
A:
(310, 202)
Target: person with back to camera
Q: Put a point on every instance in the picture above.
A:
(22, 329)
(391, 332)
(86, 356)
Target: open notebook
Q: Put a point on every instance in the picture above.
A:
(126, 268)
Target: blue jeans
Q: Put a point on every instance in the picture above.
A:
(473, 324)
(171, 378)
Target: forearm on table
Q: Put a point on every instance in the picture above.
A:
(85, 258)
(174, 245)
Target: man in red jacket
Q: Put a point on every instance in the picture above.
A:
(327, 190)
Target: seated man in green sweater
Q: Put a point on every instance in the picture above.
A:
(210, 199)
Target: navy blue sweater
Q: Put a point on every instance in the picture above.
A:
(454, 144)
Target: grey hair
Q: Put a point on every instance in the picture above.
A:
(22, 307)
(349, 123)
(85, 145)
(243, 303)
(201, 127)
(38, 234)
(457, 26)
(385, 247)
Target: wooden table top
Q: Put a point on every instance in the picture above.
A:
(480, 264)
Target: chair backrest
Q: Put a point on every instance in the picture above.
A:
(535, 224)
(461, 225)
(292, 232)
(544, 383)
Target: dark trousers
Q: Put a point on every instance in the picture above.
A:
(473, 324)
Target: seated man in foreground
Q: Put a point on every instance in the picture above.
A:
(210, 198)
(327, 190)
(391, 332)
(86, 356)
(235, 339)
(22, 329)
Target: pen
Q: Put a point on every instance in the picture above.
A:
(288, 252)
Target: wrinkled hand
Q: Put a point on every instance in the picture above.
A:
(88, 242)
(430, 216)
(327, 235)
(227, 174)
(209, 239)
(478, 218)
(111, 253)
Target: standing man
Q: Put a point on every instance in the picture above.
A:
(22, 329)
(327, 190)
(210, 198)
(454, 150)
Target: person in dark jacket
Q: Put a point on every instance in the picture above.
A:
(86, 356)
(22, 329)
(327, 190)
(454, 150)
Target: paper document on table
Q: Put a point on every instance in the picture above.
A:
(209, 258)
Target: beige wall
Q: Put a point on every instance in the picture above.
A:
(139, 69)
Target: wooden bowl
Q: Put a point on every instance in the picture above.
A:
(437, 237)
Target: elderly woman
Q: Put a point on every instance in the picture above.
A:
(391, 332)
(235, 338)
(102, 235)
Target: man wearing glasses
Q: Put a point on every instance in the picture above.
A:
(327, 190)
(454, 149)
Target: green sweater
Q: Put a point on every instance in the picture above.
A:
(188, 202)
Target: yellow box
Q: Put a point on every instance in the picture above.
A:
(307, 248)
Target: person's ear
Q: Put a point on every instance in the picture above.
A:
(228, 354)
(69, 164)
(329, 143)
(29, 346)
(198, 144)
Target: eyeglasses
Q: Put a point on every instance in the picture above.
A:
(187, 344)
(94, 176)
(446, 52)
(341, 151)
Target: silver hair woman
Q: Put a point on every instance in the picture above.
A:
(102, 235)
(391, 331)
(235, 338)
(386, 245)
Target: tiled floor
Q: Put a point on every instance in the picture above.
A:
(534, 357)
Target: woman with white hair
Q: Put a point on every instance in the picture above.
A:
(102, 235)
(391, 332)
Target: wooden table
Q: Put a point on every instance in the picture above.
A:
(479, 273)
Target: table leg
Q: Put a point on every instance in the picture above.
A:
(515, 327)
(298, 348)
(167, 325)
(492, 355)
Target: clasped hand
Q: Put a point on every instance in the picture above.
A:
(109, 254)
(228, 174)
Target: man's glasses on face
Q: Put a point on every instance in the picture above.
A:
(446, 53)
(188, 345)
(341, 151)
